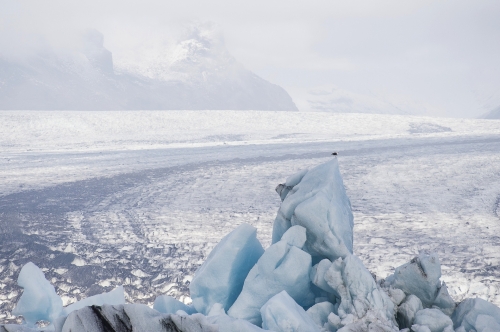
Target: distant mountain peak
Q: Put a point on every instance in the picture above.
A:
(196, 73)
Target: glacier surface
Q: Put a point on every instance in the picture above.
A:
(281, 290)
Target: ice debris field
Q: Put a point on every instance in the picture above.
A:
(308, 279)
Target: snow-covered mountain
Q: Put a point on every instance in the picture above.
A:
(330, 98)
(198, 73)
(493, 114)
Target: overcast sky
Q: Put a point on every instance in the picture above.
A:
(441, 56)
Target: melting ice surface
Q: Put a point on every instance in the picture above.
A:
(307, 280)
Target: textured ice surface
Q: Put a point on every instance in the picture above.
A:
(434, 319)
(133, 317)
(39, 300)
(444, 301)
(320, 312)
(282, 267)
(220, 278)
(478, 315)
(282, 314)
(319, 203)
(230, 324)
(407, 310)
(358, 290)
(169, 305)
(419, 277)
(116, 296)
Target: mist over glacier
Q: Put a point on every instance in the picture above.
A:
(197, 73)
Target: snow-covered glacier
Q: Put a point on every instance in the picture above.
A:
(290, 286)
(197, 74)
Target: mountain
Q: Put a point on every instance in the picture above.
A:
(330, 98)
(493, 114)
(199, 73)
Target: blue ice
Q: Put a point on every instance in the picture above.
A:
(220, 278)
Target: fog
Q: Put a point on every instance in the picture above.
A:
(437, 58)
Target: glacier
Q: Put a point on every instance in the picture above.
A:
(299, 283)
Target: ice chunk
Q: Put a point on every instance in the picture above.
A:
(282, 314)
(17, 328)
(281, 267)
(407, 310)
(217, 309)
(319, 203)
(220, 278)
(397, 295)
(116, 296)
(444, 301)
(419, 277)
(320, 312)
(132, 317)
(39, 300)
(229, 324)
(472, 314)
(357, 289)
(420, 328)
(334, 322)
(169, 305)
(434, 319)
(318, 276)
(295, 236)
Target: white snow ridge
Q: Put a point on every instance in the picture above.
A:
(307, 280)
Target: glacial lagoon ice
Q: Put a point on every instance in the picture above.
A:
(220, 278)
(241, 287)
(317, 200)
(39, 300)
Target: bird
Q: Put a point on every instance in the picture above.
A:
(334, 154)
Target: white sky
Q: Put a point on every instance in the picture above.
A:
(441, 55)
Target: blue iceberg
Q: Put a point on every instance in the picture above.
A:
(220, 278)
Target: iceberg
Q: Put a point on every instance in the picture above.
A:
(133, 317)
(229, 324)
(419, 277)
(220, 278)
(169, 305)
(320, 312)
(317, 200)
(282, 267)
(39, 300)
(359, 293)
(282, 314)
(476, 315)
(434, 319)
(116, 296)
(407, 310)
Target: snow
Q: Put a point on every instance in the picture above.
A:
(220, 278)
